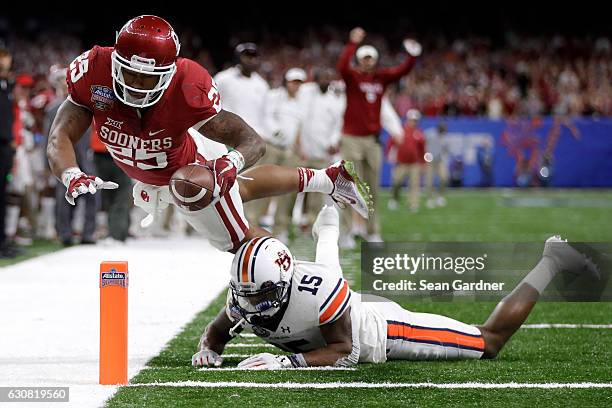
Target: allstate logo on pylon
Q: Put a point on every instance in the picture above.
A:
(112, 277)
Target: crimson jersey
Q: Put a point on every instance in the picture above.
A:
(148, 144)
(364, 92)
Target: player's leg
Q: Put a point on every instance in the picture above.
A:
(425, 336)
(513, 310)
(415, 185)
(340, 180)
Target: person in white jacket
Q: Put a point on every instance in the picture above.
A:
(318, 144)
(283, 119)
(243, 90)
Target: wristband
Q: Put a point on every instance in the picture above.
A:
(236, 158)
(67, 175)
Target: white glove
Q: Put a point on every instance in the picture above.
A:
(78, 183)
(265, 361)
(206, 357)
(412, 47)
(153, 199)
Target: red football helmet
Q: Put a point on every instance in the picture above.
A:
(145, 45)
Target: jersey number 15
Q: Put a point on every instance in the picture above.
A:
(310, 284)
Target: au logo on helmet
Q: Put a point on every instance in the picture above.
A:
(283, 261)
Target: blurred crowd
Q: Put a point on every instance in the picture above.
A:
(475, 76)
(528, 76)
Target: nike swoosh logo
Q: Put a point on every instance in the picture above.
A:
(154, 133)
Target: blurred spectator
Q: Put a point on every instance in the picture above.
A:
(243, 92)
(320, 136)
(6, 146)
(284, 116)
(365, 85)
(116, 203)
(64, 212)
(407, 155)
(484, 155)
(436, 158)
(242, 89)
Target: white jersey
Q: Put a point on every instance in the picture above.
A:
(320, 295)
(244, 96)
(284, 117)
(323, 121)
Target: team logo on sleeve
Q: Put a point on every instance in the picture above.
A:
(102, 97)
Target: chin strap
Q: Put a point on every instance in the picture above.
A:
(238, 327)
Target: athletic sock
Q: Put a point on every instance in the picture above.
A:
(314, 181)
(543, 273)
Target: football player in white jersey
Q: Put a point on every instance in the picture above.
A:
(307, 308)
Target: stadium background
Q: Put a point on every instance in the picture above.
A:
(41, 37)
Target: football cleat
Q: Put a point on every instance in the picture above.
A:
(568, 258)
(349, 189)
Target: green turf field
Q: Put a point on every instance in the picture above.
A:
(582, 355)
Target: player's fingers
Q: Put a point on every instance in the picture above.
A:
(80, 189)
(92, 188)
(108, 185)
(69, 198)
(218, 361)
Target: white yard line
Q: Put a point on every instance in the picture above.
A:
(566, 326)
(466, 385)
(49, 310)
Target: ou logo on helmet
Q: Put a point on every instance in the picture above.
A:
(283, 261)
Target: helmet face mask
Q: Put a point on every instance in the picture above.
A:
(260, 279)
(150, 96)
(260, 306)
(146, 45)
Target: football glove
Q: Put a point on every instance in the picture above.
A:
(78, 183)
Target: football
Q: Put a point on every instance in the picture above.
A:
(192, 186)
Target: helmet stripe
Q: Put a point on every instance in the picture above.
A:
(240, 259)
(245, 261)
(255, 257)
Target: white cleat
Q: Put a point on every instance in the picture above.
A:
(327, 217)
(348, 188)
(568, 258)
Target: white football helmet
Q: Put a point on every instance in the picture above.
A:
(260, 279)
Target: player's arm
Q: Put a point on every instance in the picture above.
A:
(69, 125)
(393, 74)
(344, 62)
(213, 341)
(67, 128)
(248, 147)
(338, 336)
(231, 130)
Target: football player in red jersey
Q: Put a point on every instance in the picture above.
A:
(156, 112)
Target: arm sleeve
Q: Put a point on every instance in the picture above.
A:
(393, 74)
(79, 79)
(335, 302)
(201, 93)
(344, 62)
(390, 119)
